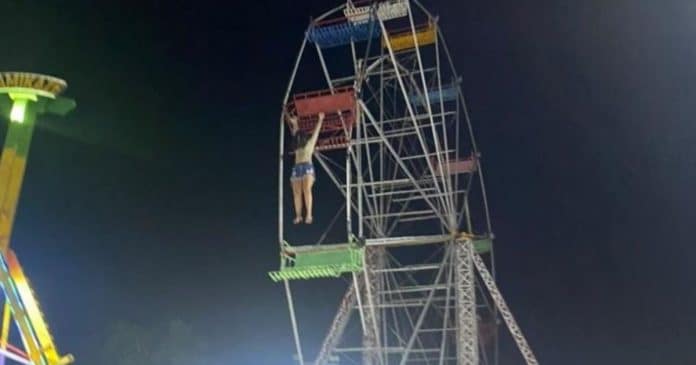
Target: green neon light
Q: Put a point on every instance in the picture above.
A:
(26, 91)
(19, 108)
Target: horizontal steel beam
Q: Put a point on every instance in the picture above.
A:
(418, 219)
(392, 183)
(432, 154)
(408, 240)
(310, 248)
(423, 116)
(399, 214)
(414, 289)
(389, 350)
(412, 198)
(400, 192)
(410, 268)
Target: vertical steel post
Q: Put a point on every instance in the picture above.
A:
(467, 331)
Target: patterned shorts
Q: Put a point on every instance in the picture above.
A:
(301, 170)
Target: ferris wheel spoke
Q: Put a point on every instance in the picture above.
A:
(371, 177)
(405, 170)
(323, 162)
(422, 94)
(438, 77)
(411, 113)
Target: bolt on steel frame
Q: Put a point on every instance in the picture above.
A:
(409, 171)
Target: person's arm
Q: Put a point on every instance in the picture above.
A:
(315, 134)
(293, 123)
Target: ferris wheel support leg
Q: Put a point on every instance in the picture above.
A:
(467, 331)
(445, 317)
(505, 312)
(374, 260)
(338, 325)
(293, 320)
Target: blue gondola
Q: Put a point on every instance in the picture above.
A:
(338, 34)
(449, 93)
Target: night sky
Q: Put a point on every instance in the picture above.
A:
(156, 199)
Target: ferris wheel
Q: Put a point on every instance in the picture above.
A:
(416, 259)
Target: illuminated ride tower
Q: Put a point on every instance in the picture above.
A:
(23, 98)
(397, 143)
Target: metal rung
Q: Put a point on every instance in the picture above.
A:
(431, 330)
(428, 155)
(428, 360)
(396, 183)
(420, 197)
(339, 350)
(389, 74)
(437, 302)
(414, 289)
(416, 302)
(408, 241)
(399, 192)
(389, 350)
(410, 130)
(421, 301)
(379, 140)
(411, 268)
(409, 74)
(418, 117)
(397, 305)
(418, 219)
(398, 214)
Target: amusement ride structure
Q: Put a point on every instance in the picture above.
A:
(398, 145)
(23, 98)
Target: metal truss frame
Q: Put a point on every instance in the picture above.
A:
(401, 194)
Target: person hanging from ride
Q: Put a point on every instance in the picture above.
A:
(302, 178)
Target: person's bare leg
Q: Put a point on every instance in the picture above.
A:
(307, 184)
(297, 198)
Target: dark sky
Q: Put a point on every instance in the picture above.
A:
(156, 199)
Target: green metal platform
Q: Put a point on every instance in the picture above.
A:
(318, 261)
(483, 245)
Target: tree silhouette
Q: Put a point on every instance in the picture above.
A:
(128, 344)
(132, 344)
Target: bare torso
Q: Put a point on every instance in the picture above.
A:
(304, 154)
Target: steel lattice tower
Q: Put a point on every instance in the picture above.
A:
(398, 145)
